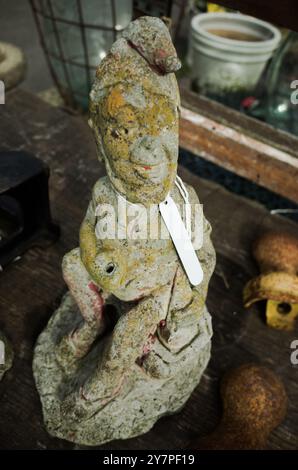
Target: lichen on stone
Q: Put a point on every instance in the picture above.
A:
(131, 338)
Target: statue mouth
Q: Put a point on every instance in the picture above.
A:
(152, 173)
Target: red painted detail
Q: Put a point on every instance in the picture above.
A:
(93, 287)
(97, 301)
(147, 167)
(161, 53)
(248, 102)
(148, 346)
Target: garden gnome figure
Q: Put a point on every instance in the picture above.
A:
(131, 338)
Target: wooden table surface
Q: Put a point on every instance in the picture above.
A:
(31, 288)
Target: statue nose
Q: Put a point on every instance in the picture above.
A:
(148, 151)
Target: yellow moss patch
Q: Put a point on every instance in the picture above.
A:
(115, 100)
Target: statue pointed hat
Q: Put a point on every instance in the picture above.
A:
(144, 56)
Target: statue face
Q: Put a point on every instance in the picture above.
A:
(139, 139)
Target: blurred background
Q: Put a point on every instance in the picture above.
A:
(243, 63)
(238, 131)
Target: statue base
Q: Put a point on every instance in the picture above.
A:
(159, 386)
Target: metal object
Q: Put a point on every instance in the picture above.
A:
(24, 204)
(277, 257)
(254, 403)
(157, 8)
(75, 36)
(281, 315)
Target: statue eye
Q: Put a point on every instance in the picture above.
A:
(115, 133)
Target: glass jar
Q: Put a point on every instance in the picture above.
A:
(281, 108)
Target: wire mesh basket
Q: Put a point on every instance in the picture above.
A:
(77, 34)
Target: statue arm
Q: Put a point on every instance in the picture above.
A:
(89, 297)
(87, 235)
(126, 345)
(183, 322)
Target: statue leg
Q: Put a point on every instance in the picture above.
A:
(183, 321)
(90, 300)
(128, 342)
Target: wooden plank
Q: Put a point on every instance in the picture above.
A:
(237, 120)
(31, 288)
(281, 13)
(240, 144)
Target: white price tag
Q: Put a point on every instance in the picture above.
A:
(181, 240)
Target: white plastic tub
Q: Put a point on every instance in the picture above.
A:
(233, 64)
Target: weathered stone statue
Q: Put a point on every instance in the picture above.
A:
(131, 338)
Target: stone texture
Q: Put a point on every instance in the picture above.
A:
(131, 339)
